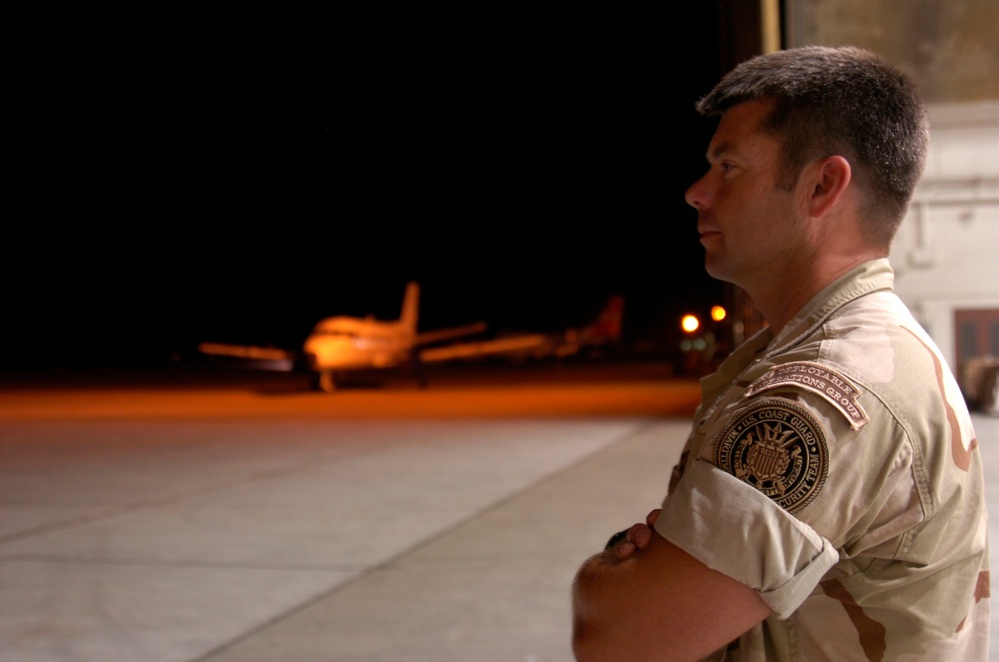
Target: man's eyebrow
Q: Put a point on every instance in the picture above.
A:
(716, 151)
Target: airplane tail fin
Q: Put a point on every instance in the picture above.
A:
(410, 308)
(607, 327)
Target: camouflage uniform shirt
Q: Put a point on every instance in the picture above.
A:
(834, 469)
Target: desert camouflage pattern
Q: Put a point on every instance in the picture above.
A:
(834, 469)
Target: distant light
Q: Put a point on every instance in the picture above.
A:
(690, 323)
(717, 313)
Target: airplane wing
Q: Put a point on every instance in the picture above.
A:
(449, 333)
(266, 358)
(473, 350)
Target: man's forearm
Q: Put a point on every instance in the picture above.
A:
(593, 597)
(645, 598)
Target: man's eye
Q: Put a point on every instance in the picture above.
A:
(725, 167)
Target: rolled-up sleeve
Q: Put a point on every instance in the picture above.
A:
(735, 529)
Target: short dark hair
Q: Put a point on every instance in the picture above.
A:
(845, 101)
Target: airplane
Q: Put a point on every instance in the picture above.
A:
(341, 344)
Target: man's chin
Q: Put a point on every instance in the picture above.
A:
(717, 269)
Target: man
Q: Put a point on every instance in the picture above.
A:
(828, 504)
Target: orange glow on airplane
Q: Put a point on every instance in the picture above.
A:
(341, 344)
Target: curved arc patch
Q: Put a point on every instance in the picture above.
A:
(820, 379)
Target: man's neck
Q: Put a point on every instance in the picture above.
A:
(780, 300)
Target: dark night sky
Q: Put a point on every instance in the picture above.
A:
(184, 184)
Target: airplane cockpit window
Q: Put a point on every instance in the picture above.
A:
(335, 333)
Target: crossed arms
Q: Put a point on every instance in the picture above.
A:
(644, 598)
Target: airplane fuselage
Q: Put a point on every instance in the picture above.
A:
(346, 343)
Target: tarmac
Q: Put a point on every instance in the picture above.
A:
(231, 525)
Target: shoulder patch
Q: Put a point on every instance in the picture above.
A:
(835, 388)
(779, 448)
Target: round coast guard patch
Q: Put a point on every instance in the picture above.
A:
(779, 448)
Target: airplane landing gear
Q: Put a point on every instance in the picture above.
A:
(326, 381)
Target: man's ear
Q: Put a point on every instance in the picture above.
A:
(829, 179)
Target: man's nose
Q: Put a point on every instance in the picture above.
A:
(698, 195)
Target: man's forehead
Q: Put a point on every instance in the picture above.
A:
(739, 125)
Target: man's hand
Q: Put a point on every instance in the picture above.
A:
(645, 598)
(627, 542)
